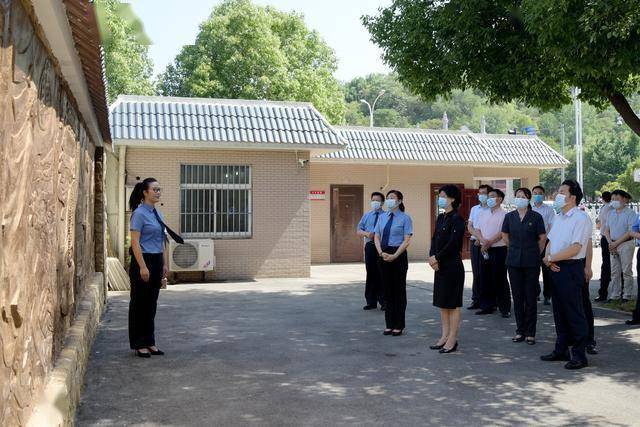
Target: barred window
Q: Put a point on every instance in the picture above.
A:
(215, 201)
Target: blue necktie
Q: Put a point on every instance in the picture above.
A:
(376, 220)
(387, 230)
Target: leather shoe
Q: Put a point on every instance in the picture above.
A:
(396, 333)
(575, 364)
(473, 306)
(555, 357)
(633, 322)
(156, 352)
(386, 332)
(143, 355)
(600, 299)
(436, 347)
(369, 307)
(591, 349)
(482, 312)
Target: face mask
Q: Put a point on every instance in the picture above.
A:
(559, 202)
(520, 202)
(442, 202)
(537, 198)
(375, 205)
(491, 202)
(615, 204)
(482, 198)
(390, 203)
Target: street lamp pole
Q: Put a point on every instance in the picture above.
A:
(372, 107)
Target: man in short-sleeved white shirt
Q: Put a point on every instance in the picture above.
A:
(477, 212)
(569, 247)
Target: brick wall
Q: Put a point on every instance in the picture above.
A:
(279, 246)
(413, 181)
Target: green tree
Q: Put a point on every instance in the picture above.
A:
(529, 50)
(128, 67)
(626, 182)
(607, 158)
(248, 51)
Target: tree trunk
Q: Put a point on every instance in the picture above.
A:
(622, 106)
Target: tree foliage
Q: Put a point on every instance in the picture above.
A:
(128, 67)
(528, 50)
(253, 52)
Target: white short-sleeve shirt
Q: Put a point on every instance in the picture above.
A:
(568, 228)
(475, 214)
(547, 214)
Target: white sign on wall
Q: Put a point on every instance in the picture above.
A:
(636, 175)
(317, 195)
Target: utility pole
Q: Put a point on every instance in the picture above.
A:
(372, 107)
(577, 105)
(562, 150)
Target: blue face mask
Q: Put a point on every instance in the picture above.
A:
(390, 203)
(491, 202)
(442, 202)
(559, 202)
(520, 202)
(375, 205)
(538, 198)
(482, 198)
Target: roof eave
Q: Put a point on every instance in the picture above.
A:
(433, 163)
(314, 149)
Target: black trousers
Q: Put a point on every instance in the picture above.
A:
(546, 276)
(373, 291)
(476, 258)
(588, 313)
(144, 300)
(524, 281)
(568, 309)
(636, 312)
(494, 290)
(605, 269)
(394, 281)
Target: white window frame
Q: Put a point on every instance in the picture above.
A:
(214, 187)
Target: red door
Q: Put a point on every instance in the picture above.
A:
(346, 211)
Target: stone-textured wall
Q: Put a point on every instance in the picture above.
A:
(46, 210)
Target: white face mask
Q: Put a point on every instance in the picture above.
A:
(375, 205)
(616, 204)
(559, 202)
(390, 203)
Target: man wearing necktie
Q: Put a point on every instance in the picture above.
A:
(366, 227)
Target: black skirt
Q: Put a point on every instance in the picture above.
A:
(449, 285)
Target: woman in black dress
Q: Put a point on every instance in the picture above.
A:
(446, 260)
(524, 233)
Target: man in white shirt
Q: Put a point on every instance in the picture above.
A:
(605, 269)
(475, 214)
(621, 245)
(569, 243)
(495, 288)
(547, 213)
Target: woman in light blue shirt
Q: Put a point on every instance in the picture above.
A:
(148, 266)
(392, 237)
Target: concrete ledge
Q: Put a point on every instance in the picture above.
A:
(57, 404)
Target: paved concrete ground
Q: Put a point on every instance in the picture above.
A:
(303, 352)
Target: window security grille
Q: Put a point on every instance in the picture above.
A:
(215, 201)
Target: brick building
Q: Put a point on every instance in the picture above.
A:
(278, 188)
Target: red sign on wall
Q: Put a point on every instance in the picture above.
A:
(317, 195)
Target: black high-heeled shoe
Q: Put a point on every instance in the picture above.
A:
(143, 355)
(446, 350)
(518, 338)
(396, 333)
(386, 332)
(436, 347)
(156, 352)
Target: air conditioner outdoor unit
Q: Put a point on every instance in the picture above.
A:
(193, 255)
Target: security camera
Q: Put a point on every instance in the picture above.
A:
(302, 163)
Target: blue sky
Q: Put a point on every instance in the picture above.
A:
(173, 23)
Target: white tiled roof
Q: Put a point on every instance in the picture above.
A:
(443, 147)
(152, 118)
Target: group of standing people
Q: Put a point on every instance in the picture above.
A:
(619, 235)
(535, 237)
